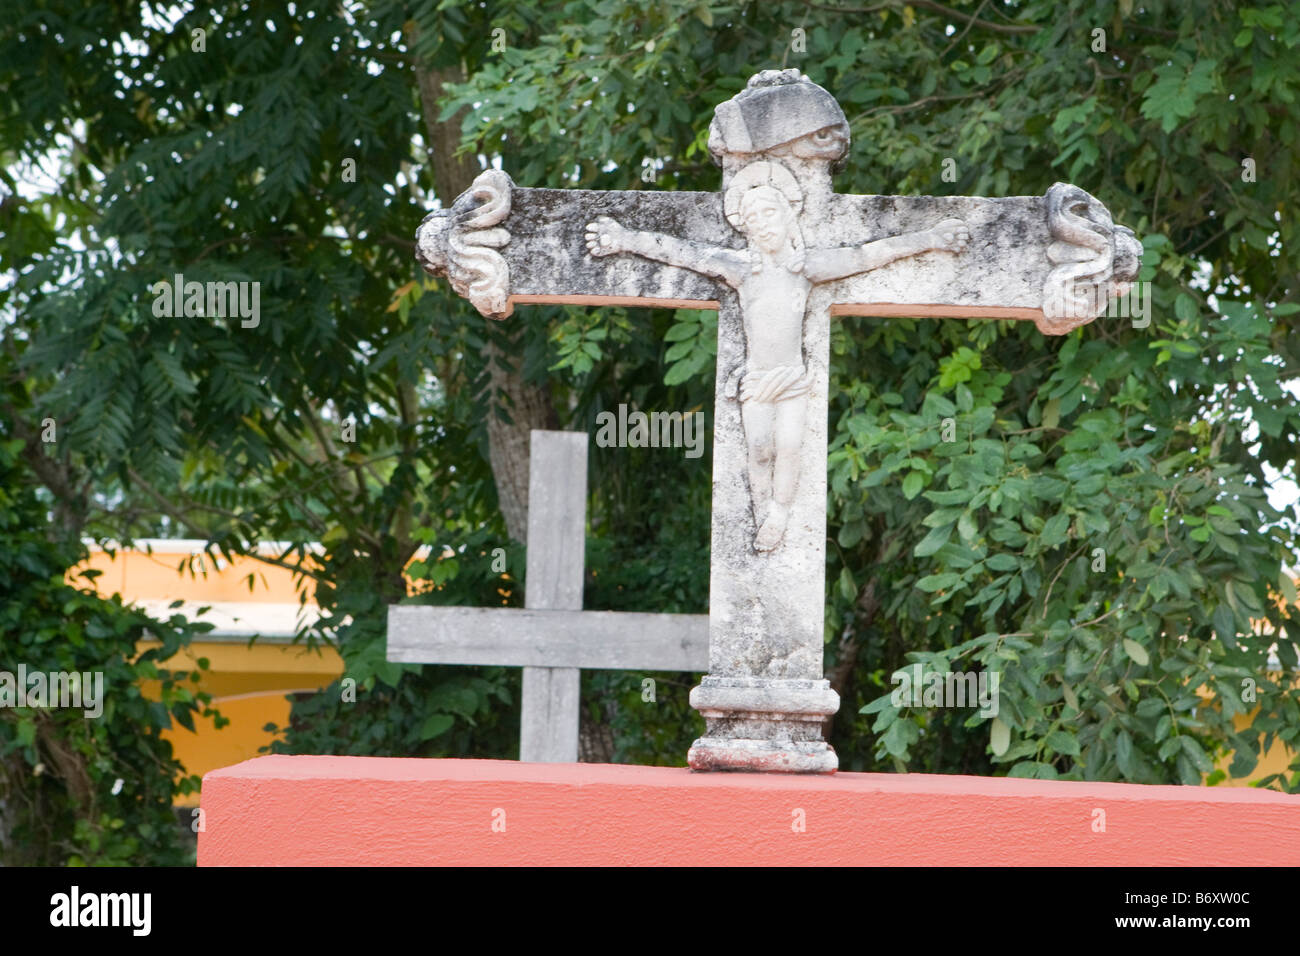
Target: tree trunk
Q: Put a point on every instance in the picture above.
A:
(70, 493)
(596, 736)
(452, 174)
(515, 407)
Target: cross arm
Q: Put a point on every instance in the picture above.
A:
(1056, 259)
(827, 265)
(502, 245)
(526, 637)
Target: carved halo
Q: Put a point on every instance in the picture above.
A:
(761, 173)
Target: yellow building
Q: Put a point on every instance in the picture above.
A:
(248, 682)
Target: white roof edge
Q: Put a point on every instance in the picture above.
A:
(189, 545)
(197, 545)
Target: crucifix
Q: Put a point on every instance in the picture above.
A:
(778, 253)
(551, 637)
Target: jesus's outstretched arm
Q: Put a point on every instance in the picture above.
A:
(825, 265)
(605, 237)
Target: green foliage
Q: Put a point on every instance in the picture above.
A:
(402, 709)
(1080, 553)
(78, 790)
(694, 345)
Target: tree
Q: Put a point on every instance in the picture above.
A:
(88, 786)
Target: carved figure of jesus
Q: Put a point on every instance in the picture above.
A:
(772, 278)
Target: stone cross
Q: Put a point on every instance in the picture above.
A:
(551, 637)
(778, 253)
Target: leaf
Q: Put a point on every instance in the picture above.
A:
(1033, 769)
(1063, 742)
(1225, 625)
(938, 582)
(26, 731)
(337, 533)
(933, 541)
(1124, 754)
(1163, 726)
(900, 735)
(1054, 531)
(170, 368)
(679, 350)
(877, 705)
(1244, 760)
(1136, 652)
(1287, 587)
(913, 484)
(435, 725)
(1150, 707)
(999, 736)
(848, 588)
(1196, 754)
(1052, 414)
(1172, 97)
(683, 370)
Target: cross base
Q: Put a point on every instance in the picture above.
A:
(763, 724)
(749, 755)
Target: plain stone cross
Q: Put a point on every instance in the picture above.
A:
(778, 253)
(551, 637)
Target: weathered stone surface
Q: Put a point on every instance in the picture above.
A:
(745, 752)
(1093, 260)
(557, 539)
(515, 637)
(1004, 272)
(461, 243)
(778, 253)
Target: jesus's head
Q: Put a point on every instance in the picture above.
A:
(763, 202)
(767, 220)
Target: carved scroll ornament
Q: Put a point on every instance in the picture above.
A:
(1094, 260)
(461, 243)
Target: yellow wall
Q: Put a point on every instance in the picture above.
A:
(248, 684)
(138, 576)
(1274, 760)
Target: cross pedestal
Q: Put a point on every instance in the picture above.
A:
(552, 638)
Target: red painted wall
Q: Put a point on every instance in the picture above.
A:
(333, 811)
